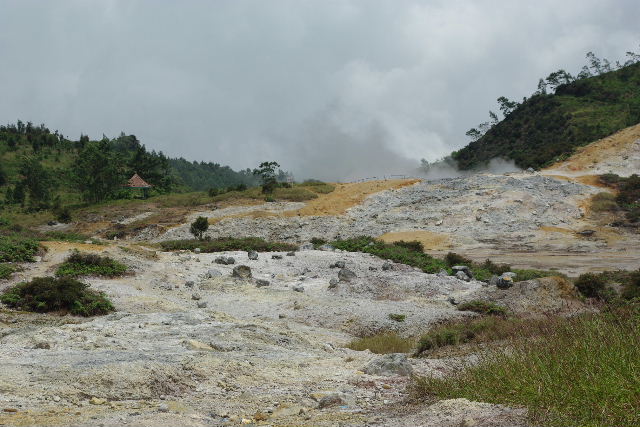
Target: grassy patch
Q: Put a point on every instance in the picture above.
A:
(397, 317)
(387, 342)
(6, 270)
(483, 307)
(294, 193)
(582, 372)
(45, 294)
(600, 285)
(79, 264)
(482, 330)
(392, 251)
(223, 244)
(628, 197)
(17, 248)
(604, 202)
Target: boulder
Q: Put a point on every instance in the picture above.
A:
(211, 273)
(197, 250)
(442, 273)
(298, 288)
(387, 266)
(337, 264)
(242, 272)
(224, 260)
(202, 304)
(195, 296)
(462, 276)
(189, 283)
(462, 268)
(253, 255)
(504, 282)
(389, 364)
(276, 256)
(261, 283)
(292, 253)
(306, 247)
(333, 283)
(327, 247)
(346, 275)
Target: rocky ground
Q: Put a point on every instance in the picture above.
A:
(193, 343)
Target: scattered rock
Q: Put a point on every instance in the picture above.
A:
(163, 407)
(387, 266)
(261, 283)
(189, 283)
(224, 260)
(306, 247)
(211, 273)
(346, 275)
(202, 304)
(43, 345)
(337, 264)
(195, 296)
(452, 300)
(97, 401)
(197, 250)
(462, 276)
(442, 273)
(389, 364)
(333, 283)
(504, 282)
(586, 233)
(276, 256)
(327, 247)
(242, 272)
(197, 345)
(253, 255)
(298, 288)
(292, 253)
(462, 268)
(330, 400)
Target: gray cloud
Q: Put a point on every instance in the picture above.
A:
(333, 89)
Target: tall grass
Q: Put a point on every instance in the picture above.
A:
(585, 371)
(383, 343)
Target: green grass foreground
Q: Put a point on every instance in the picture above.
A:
(584, 371)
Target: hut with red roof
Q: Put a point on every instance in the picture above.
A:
(137, 182)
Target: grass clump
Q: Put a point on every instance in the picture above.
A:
(482, 330)
(628, 197)
(65, 294)
(392, 251)
(81, 264)
(397, 317)
(602, 286)
(17, 248)
(583, 371)
(604, 202)
(485, 270)
(483, 307)
(223, 244)
(383, 343)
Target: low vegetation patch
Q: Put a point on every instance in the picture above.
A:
(393, 251)
(383, 343)
(6, 270)
(283, 191)
(604, 202)
(81, 264)
(482, 330)
(397, 317)
(603, 285)
(485, 270)
(483, 307)
(583, 371)
(223, 244)
(64, 294)
(17, 248)
(628, 197)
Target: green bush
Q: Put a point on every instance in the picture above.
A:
(483, 307)
(62, 214)
(583, 371)
(317, 242)
(80, 264)
(453, 258)
(593, 285)
(45, 294)
(413, 245)
(199, 227)
(603, 202)
(16, 248)
(223, 244)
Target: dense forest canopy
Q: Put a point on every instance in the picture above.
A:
(40, 169)
(564, 113)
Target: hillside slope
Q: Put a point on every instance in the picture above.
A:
(546, 128)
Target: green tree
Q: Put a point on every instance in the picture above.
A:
(199, 227)
(267, 173)
(37, 182)
(96, 172)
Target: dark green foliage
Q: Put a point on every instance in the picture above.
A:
(267, 173)
(631, 286)
(391, 251)
(17, 248)
(628, 198)
(593, 285)
(223, 244)
(548, 127)
(317, 242)
(453, 258)
(397, 317)
(201, 176)
(80, 264)
(44, 294)
(483, 307)
(199, 227)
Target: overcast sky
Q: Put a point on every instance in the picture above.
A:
(331, 89)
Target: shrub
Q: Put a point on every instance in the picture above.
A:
(583, 371)
(413, 245)
(16, 248)
(223, 244)
(269, 199)
(62, 214)
(593, 285)
(199, 227)
(453, 258)
(44, 294)
(317, 242)
(483, 307)
(384, 343)
(79, 264)
(631, 288)
(397, 317)
(603, 202)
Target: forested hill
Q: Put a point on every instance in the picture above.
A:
(40, 168)
(548, 127)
